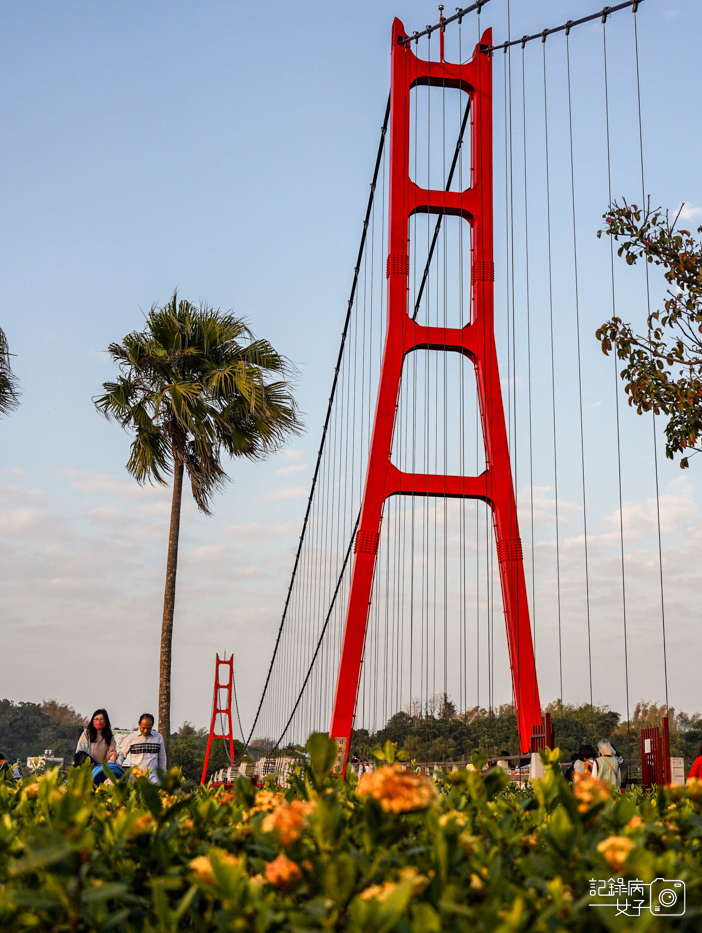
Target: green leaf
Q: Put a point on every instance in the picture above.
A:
(340, 877)
(103, 892)
(425, 919)
(150, 796)
(563, 832)
(185, 902)
(322, 754)
(39, 900)
(244, 791)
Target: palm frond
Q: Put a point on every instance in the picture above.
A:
(194, 383)
(9, 386)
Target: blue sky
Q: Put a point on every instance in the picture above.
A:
(227, 150)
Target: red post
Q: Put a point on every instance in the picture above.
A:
(652, 770)
(476, 341)
(221, 706)
(666, 750)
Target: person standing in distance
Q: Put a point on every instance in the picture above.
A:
(145, 748)
(696, 769)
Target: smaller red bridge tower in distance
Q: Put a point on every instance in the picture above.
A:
(222, 707)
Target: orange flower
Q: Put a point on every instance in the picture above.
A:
(469, 842)
(282, 872)
(454, 819)
(267, 800)
(378, 892)
(397, 791)
(141, 825)
(588, 791)
(201, 866)
(31, 790)
(410, 873)
(616, 850)
(634, 823)
(202, 869)
(288, 821)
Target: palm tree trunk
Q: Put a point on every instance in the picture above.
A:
(164, 684)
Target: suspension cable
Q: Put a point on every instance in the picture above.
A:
(322, 633)
(528, 330)
(553, 380)
(458, 16)
(449, 180)
(356, 272)
(566, 27)
(655, 445)
(616, 402)
(580, 383)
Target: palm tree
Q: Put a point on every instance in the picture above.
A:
(192, 384)
(9, 388)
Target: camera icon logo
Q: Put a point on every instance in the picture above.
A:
(667, 897)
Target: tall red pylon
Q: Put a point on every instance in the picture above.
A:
(221, 706)
(476, 341)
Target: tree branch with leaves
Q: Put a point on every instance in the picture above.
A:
(662, 367)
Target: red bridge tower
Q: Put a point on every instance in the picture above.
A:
(476, 340)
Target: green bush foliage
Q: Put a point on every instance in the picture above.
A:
(393, 852)
(27, 729)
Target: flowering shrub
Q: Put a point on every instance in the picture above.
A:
(393, 852)
(397, 790)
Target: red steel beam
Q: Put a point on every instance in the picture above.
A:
(477, 342)
(219, 709)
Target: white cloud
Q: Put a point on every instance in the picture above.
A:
(106, 514)
(293, 468)
(107, 483)
(156, 508)
(18, 521)
(87, 578)
(544, 506)
(641, 519)
(14, 495)
(690, 211)
(256, 532)
(287, 492)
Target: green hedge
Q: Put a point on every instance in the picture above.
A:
(396, 852)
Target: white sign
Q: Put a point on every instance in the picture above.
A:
(677, 770)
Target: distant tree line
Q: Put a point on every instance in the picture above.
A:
(437, 731)
(27, 729)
